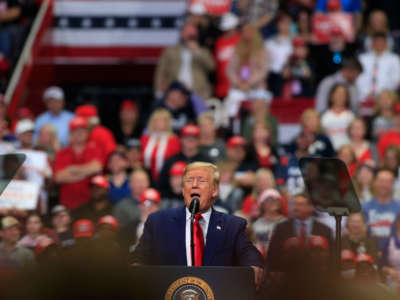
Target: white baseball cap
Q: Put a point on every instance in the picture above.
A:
(228, 21)
(197, 9)
(24, 125)
(53, 92)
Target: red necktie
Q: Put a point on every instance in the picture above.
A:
(303, 234)
(198, 240)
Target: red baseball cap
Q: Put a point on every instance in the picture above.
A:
(78, 122)
(334, 5)
(347, 254)
(317, 241)
(364, 257)
(190, 130)
(100, 181)
(128, 105)
(150, 194)
(83, 228)
(86, 111)
(42, 245)
(236, 141)
(108, 220)
(177, 168)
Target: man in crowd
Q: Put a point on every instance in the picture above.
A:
(348, 74)
(381, 211)
(99, 134)
(75, 164)
(55, 114)
(381, 69)
(173, 196)
(127, 210)
(186, 62)
(9, 248)
(189, 153)
(220, 239)
(61, 221)
(302, 225)
(99, 204)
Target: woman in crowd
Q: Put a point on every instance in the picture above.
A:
(338, 116)
(119, 179)
(270, 215)
(247, 70)
(33, 227)
(356, 238)
(264, 180)
(364, 177)
(391, 161)
(362, 149)
(261, 146)
(159, 142)
(348, 156)
(48, 141)
(210, 145)
(382, 121)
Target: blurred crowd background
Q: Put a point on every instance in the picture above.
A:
(98, 177)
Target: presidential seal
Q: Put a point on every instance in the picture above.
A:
(189, 288)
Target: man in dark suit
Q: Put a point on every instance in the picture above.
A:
(302, 226)
(220, 238)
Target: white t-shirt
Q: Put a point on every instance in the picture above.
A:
(335, 126)
(185, 72)
(279, 49)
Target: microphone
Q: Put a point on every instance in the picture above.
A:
(194, 209)
(194, 206)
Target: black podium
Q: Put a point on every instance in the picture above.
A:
(197, 283)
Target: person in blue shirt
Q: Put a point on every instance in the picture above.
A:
(381, 212)
(119, 180)
(55, 114)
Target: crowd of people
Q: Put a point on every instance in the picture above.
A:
(99, 184)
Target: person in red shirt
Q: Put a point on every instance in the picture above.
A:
(224, 47)
(76, 164)
(101, 135)
(391, 137)
(159, 143)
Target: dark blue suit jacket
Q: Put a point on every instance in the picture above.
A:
(163, 241)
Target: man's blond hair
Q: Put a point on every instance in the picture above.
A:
(201, 164)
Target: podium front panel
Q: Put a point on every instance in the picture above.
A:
(209, 283)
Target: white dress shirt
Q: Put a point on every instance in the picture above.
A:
(204, 222)
(387, 73)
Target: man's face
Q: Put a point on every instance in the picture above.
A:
(379, 44)
(176, 99)
(356, 225)
(26, 138)
(79, 135)
(61, 219)
(189, 32)
(199, 183)
(350, 75)
(236, 153)
(302, 209)
(98, 193)
(55, 106)
(189, 143)
(11, 235)
(384, 183)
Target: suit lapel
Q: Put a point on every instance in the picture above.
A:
(214, 239)
(180, 230)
